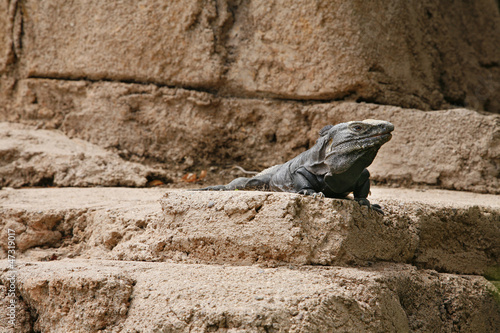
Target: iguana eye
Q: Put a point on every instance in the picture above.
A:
(357, 128)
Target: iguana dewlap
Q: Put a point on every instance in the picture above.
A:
(334, 167)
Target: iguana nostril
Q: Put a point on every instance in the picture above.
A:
(388, 126)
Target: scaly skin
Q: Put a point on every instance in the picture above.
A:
(334, 167)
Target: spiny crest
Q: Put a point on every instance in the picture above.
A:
(325, 130)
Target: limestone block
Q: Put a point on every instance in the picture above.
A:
(399, 53)
(179, 127)
(85, 295)
(452, 149)
(247, 227)
(424, 55)
(154, 41)
(297, 50)
(447, 231)
(85, 302)
(33, 157)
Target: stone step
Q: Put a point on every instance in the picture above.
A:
(447, 231)
(36, 157)
(75, 295)
(454, 149)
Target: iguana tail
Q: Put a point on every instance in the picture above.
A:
(259, 181)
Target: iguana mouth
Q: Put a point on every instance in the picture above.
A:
(381, 134)
(381, 138)
(384, 136)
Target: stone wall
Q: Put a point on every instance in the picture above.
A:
(193, 131)
(200, 84)
(424, 55)
(139, 93)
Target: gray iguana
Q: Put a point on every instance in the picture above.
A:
(334, 167)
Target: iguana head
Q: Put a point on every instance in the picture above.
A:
(341, 146)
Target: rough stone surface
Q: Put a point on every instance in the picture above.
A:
(13, 308)
(425, 55)
(82, 295)
(261, 227)
(151, 41)
(183, 129)
(255, 227)
(186, 130)
(399, 53)
(84, 302)
(5, 35)
(204, 85)
(31, 157)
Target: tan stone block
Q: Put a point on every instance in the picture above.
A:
(32, 157)
(310, 50)
(78, 301)
(85, 295)
(262, 227)
(448, 231)
(5, 35)
(171, 43)
(398, 53)
(175, 126)
(452, 149)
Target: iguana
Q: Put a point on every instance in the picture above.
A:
(334, 167)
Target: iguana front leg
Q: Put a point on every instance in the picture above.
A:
(305, 183)
(361, 191)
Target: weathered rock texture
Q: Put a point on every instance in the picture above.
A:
(424, 55)
(149, 41)
(31, 157)
(453, 149)
(250, 227)
(198, 84)
(242, 228)
(253, 227)
(204, 83)
(394, 53)
(86, 302)
(5, 35)
(125, 296)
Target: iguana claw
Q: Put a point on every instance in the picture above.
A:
(377, 208)
(312, 193)
(365, 202)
